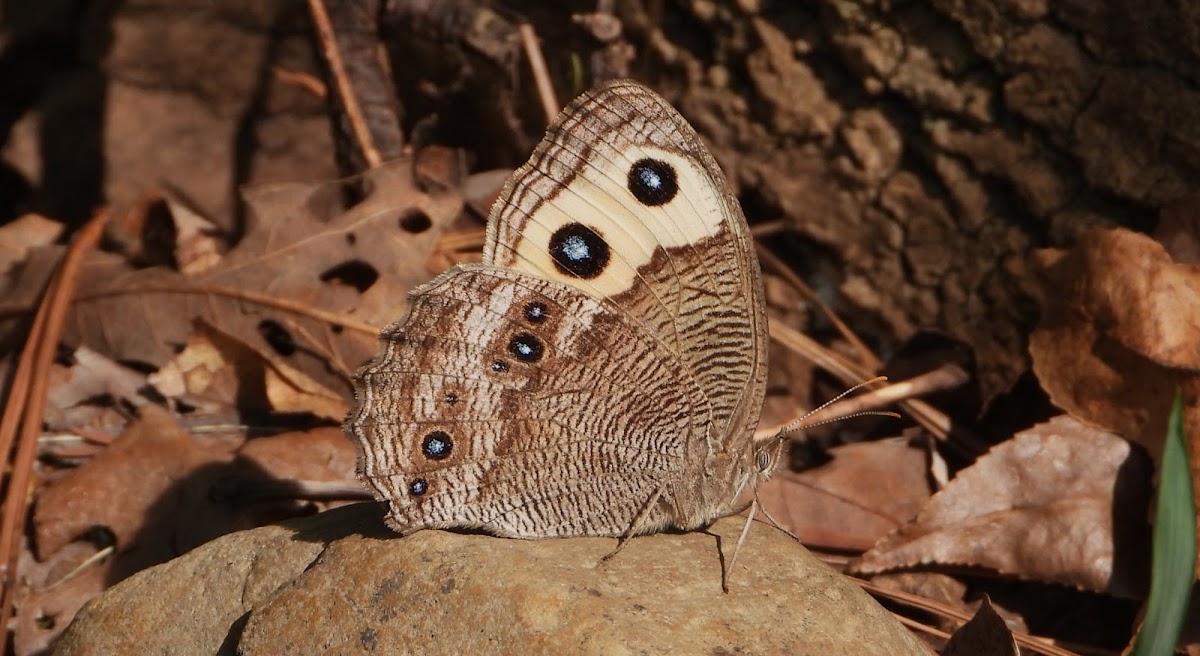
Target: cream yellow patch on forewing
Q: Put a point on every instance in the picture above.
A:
(599, 198)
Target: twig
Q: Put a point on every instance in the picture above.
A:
(865, 356)
(88, 562)
(243, 295)
(930, 418)
(27, 401)
(342, 85)
(922, 627)
(300, 79)
(948, 376)
(1040, 645)
(541, 74)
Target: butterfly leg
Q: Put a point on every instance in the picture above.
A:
(755, 505)
(738, 547)
(638, 522)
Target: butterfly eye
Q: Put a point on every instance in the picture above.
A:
(763, 458)
(577, 250)
(652, 182)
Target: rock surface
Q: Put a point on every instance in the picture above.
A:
(340, 582)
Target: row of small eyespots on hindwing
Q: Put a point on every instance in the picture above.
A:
(438, 444)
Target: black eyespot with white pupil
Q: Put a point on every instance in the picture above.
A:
(577, 250)
(525, 347)
(652, 182)
(418, 487)
(437, 445)
(535, 312)
(499, 366)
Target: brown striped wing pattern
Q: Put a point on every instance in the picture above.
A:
(529, 443)
(601, 373)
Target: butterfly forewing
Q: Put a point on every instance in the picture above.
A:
(622, 162)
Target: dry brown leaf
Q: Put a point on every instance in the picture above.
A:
(320, 454)
(196, 246)
(24, 233)
(1131, 289)
(985, 634)
(1061, 502)
(132, 483)
(199, 374)
(286, 388)
(290, 390)
(1120, 330)
(866, 491)
(300, 249)
(21, 288)
(483, 188)
(92, 376)
(52, 592)
(164, 228)
(218, 370)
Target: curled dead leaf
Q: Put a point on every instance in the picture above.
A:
(249, 370)
(1061, 502)
(1120, 330)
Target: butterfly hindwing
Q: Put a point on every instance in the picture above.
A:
(518, 405)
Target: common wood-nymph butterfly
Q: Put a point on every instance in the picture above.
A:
(602, 371)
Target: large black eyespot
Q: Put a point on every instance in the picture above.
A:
(652, 182)
(525, 347)
(437, 445)
(418, 487)
(535, 312)
(577, 249)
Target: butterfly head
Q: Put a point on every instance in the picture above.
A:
(766, 459)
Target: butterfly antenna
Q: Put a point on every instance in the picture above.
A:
(798, 424)
(767, 460)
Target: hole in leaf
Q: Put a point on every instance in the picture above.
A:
(277, 336)
(415, 221)
(355, 273)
